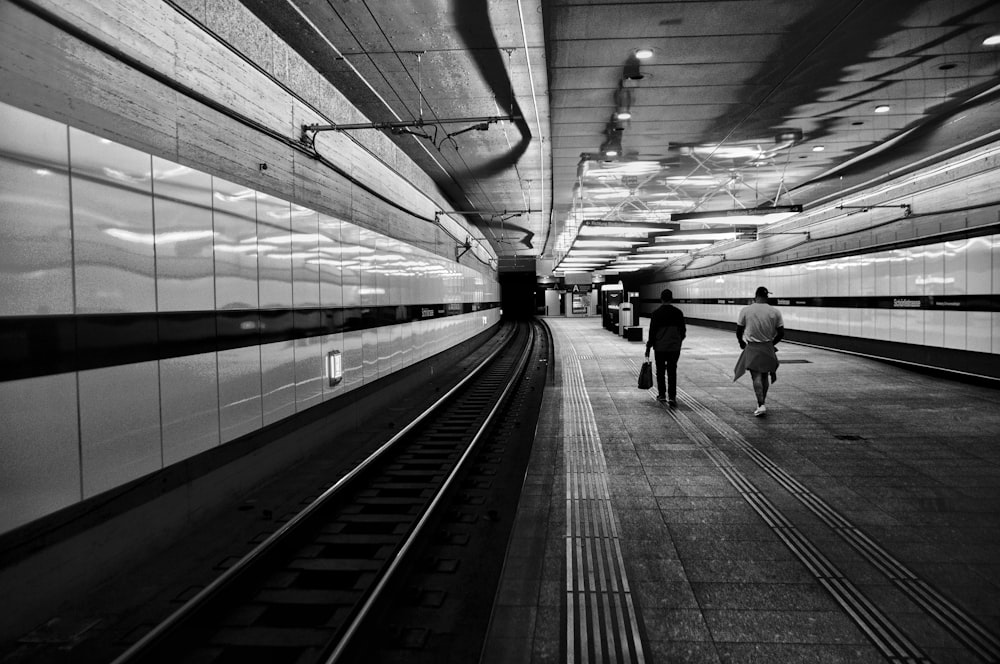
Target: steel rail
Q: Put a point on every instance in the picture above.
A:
(144, 646)
(380, 587)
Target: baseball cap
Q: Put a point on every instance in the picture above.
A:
(761, 291)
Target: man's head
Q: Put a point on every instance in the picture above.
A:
(666, 295)
(761, 293)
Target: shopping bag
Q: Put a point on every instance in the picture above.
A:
(646, 375)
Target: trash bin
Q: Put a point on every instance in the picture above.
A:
(625, 317)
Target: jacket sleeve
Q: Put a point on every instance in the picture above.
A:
(653, 327)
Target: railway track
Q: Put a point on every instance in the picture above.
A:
(306, 591)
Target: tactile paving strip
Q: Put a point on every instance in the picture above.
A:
(601, 622)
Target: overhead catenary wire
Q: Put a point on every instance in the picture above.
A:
(420, 96)
(319, 33)
(120, 55)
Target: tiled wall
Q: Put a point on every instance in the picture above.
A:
(88, 226)
(967, 267)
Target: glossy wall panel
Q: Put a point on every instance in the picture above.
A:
(304, 256)
(369, 355)
(385, 350)
(185, 240)
(309, 372)
(114, 262)
(952, 282)
(353, 360)
(189, 395)
(367, 262)
(234, 223)
(274, 251)
(36, 249)
(934, 279)
(352, 254)
(40, 448)
(200, 264)
(240, 401)
(277, 366)
(119, 425)
(979, 264)
(330, 262)
(996, 330)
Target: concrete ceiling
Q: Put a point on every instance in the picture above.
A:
(730, 111)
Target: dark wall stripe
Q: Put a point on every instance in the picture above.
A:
(45, 345)
(925, 302)
(969, 362)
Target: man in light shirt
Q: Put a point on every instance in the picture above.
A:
(762, 326)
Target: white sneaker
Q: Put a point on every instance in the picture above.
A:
(761, 410)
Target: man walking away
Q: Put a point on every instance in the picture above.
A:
(666, 332)
(763, 326)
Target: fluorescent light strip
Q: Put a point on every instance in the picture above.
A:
(663, 256)
(681, 236)
(604, 244)
(670, 244)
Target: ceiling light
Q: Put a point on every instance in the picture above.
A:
(643, 53)
(607, 193)
(623, 230)
(595, 254)
(690, 180)
(603, 244)
(635, 260)
(818, 148)
(662, 255)
(882, 109)
(666, 246)
(623, 115)
(612, 147)
(729, 151)
(601, 226)
(637, 167)
(766, 215)
(683, 236)
(992, 40)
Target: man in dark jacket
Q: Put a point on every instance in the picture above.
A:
(666, 332)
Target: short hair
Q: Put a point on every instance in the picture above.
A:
(666, 295)
(761, 292)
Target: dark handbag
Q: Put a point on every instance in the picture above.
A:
(646, 375)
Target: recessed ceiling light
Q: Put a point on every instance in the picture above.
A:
(992, 40)
(623, 115)
(643, 53)
(882, 109)
(818, 148)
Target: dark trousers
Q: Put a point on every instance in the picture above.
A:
(666, 362)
